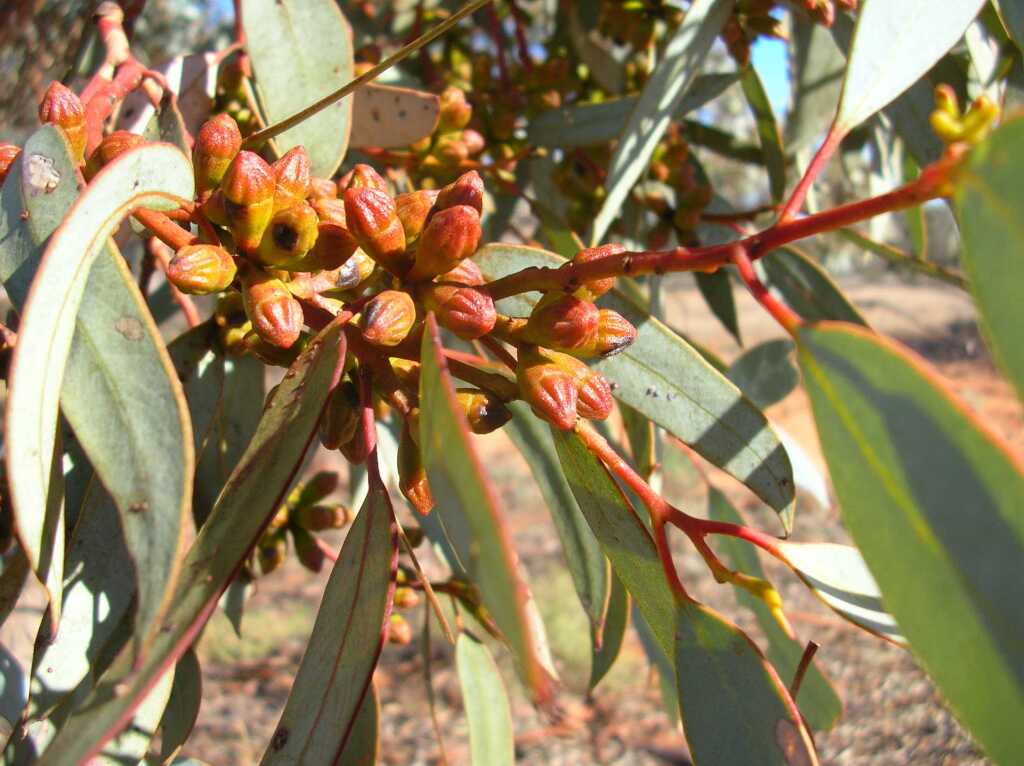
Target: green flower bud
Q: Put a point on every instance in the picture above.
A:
(340, 420)
(61, 107)
(291, 234)
(484, 412)
(451, 236)
(291, 178)
(562, 322)
(272, 552)
(310, 554)
(275, 315)
(466, 311)
(217, 144)
(201, 269)
(114, 145)
(371, 216)
(412, 476)
(388, 318)
(8, 154)
(248, 188)
(413, 209)
(456, 112)
(550, 390)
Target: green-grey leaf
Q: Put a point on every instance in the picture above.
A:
(364, 743)
(816, 77)
(663, 665)
(807, 287)
(817, 700)
(486, 704)
(668, 381)
(182, 708)
(587, 564)
(132, 744)
(466, 508)
(933, 501)
(123, 399)
(249, 500)
(734, 708)
(663, 92)
(1013, 14)
(894, 45)
(766, 373)
(600, 122)
(767, 131)
(716, 289)
(301, 50)
(343, 649)
(613, 635)
(989, 204)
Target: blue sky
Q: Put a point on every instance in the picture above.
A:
(769, 57)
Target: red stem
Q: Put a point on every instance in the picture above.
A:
(782, 313)
(821, 158)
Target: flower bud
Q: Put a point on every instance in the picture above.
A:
(214, 210)
(201, 269)
(614, 333)
(594, 395)
(317, 518)
(217, 144)
(467, 189)
(323, 188)
(373, 220)
(399, 631)
(405, 598)
(313, 490)
(413, 209)
(291, 234)
(415, 536)
(466, 311)
(61, 107)
(550, 390)
(291, 178)
(232, 324)
(562, 322)
(474, 141)
(484, 412)
(355, 449)
(365, 177)
(248, 189)
(117, 143)
(275, 315)
(272, 552)
(341, 416)
(598, 287)
(273, 356)
(451, 151)
(412, 476)
(8, 154)
(310, 554)
(451, 236)
(465, 273)
(388, 318)
(456, 112)
(354, 271)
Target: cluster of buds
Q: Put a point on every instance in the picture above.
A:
(970, 126)
(302, 516)
(440, 157)
(636, 24)
(684, 196)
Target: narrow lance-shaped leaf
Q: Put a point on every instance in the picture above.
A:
(151, 479)
(766, 373)
(486, 704)
(301, 50)
(334, 676)
(989, 201)
(807, 287)
(249, 500)
(816, 69)
(466, 507)
(933, 501)
(616, 622)
(363, 744)
(664, 378)
(716, 289)
(182, 708)
(664, 90)
(767, 131)
(587, 564)
(894, 45)
(734, 706)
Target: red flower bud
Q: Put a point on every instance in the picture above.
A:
(466, 311)
(291, 178)
(61, 107)
(413, 209)
(456, 112)
(341, 416)
(114, 145)
(412, 476)
(594, 395)
(291, 234)
(365, 177)
(388, 318)
(373, 221)
(484, 412)
(248, 189)
(449, 237)
(8, 154)
(562, 322)
(598, 287)
(614, 333)
(323, 188)
(549, 390)
(467, 189)
(201, 269)
(466, 273)
(217, 143)
(275, 315)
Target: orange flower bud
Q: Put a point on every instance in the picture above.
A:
(61, 107)
(450, 150)
(248, 188)
(291, 234)
(451, 236)
(373, 221)
(614, 333)
(413, 209)
(111, 146)
(323, 188)
(550, 390)
(341, 416)
(466, 273)
(388, 318)
(467, 189)
(562, 322)
(317, 518)
(275, 315)
(598, 287)
(310, 554)
(365, 177)
(330, 211)
(484, 412)
(456, 112)
(291, 178)
(412, 476)
(594, 395)
(201, 269)
(405, 598)
(466, 311)
(213, 208)
(399, 631)
(8, 154)
(217, 144)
